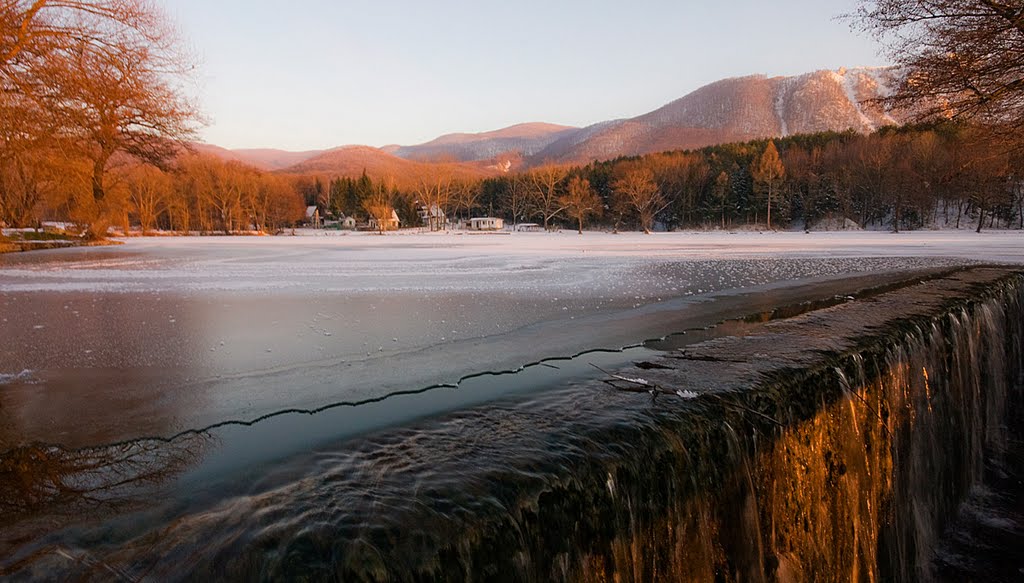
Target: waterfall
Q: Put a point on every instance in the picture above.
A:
(841, 459)
(872, 457)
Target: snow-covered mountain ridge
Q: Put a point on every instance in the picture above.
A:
(739, 109)
(730, 110)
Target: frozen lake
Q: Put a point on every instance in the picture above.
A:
(164, 335)
(153, 394)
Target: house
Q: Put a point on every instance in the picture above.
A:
(529, 227)
(433, 217)
(313, 217)
(389, 225)
(486, 224)
(343, 223)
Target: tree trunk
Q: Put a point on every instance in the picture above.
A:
(99, 169)
(981, 217)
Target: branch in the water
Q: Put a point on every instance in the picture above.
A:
(640, 385)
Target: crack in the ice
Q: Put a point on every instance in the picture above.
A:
(781, 312)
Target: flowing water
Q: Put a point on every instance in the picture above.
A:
(534, 472)
(578, 483)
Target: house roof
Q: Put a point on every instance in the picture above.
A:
(310, 211)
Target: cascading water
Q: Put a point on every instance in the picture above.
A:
(834, 446)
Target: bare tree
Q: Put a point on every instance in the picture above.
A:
(434, 191)
(33, 27)
(465, 194)
(380, 205)
(637, 190)
(545, 192)
(104, 76)
(25, 175)
(149, 191)
(517, 198)
(963, 58)
(580, 201)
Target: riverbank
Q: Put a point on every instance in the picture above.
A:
(22, 241)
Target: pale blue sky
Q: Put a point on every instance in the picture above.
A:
(309, 74)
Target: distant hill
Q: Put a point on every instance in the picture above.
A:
(222, 153)
(264, 159)
(523, 139)
(270, 159)
(737, 109)
(353, 160)
(730, 110)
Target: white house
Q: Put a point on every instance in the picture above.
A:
(433, 217)
(389, 225)
(529, 227)
(313, 217)
(486, 224)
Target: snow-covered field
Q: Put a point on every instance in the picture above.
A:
(179, 333)
(325, 261)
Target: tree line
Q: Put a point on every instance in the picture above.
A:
(944, 175)
(95, 123)
(897, 178)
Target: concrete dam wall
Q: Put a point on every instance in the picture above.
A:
(833, 441)
(832, 446)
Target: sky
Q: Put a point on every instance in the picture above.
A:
(313, 74)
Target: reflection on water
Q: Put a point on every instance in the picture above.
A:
(65, 482)
(581, 482)
(197, 469)
(166, 340)
(208, 460)
(363, 484)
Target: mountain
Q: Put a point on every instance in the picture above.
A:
(737, 109)
(353, 160)
(264, 159)
(222, 153)
(524, 139)
(730, 110)
(270, 159)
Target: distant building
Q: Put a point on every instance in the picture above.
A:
(433, 217)
(313, 217)
(389, 225)
(486, 224)
(347, 223)
(529, 227)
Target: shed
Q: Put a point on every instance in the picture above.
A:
(486, 224)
